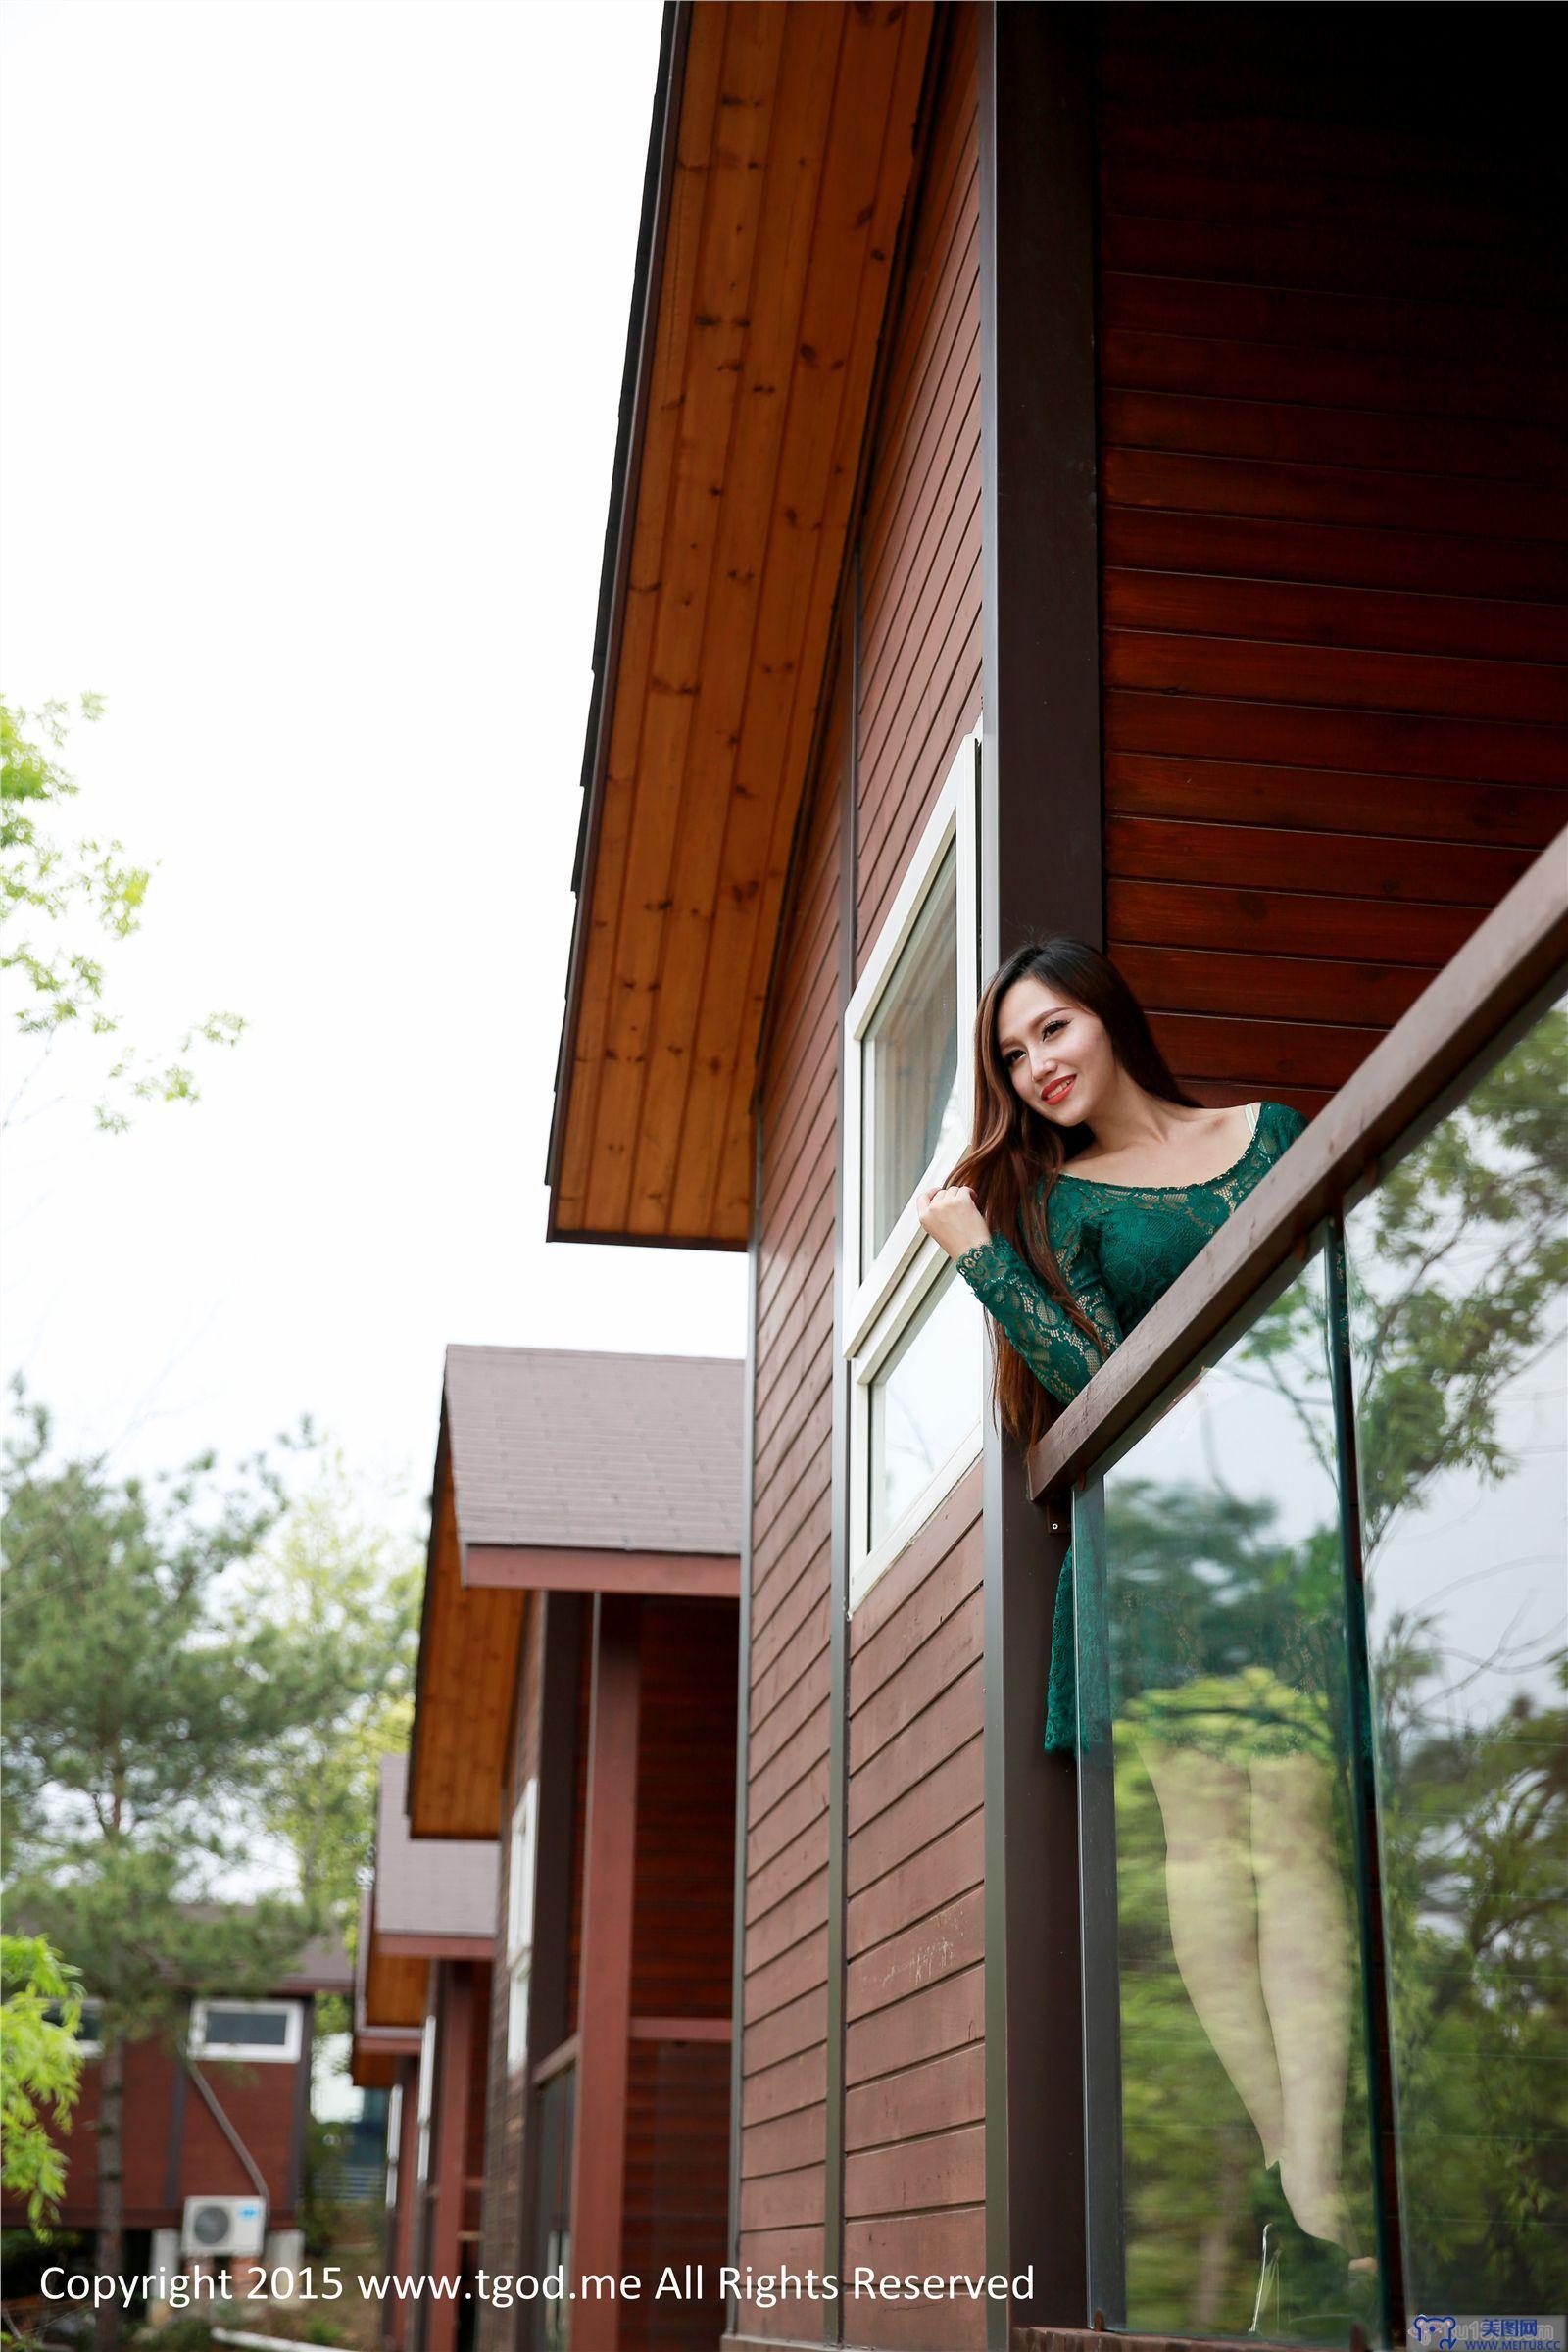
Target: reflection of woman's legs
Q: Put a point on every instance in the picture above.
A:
(1208, 1884)
(1304, 1950)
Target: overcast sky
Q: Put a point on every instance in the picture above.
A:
(315, 313)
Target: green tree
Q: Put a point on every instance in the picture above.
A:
(59, 900)
(344, 1586)
(144, 1712)
(40, 2070)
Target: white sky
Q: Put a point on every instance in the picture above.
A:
(313, 322)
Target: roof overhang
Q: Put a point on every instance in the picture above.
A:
(469, 1646)
(782, 153)
(381, 2039)
(529, 1568)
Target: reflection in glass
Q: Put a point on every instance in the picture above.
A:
(911, 1061)
(1458, 1263)
(924, 1401)
(1230, 2164)
(547, 2324)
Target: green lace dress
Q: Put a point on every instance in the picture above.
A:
(1121, 1246)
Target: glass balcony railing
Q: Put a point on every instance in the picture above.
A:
(1320, 1535)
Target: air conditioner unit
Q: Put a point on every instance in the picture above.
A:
(223, 2226)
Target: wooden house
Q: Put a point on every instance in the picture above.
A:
(423, 1975)
(221, 2117)
(576, 1703)
(1100, 471)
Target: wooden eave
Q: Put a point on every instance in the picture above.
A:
(469, 1640)
(537, 1568)
(395, 1992)
(783, 151)
(373, 2059)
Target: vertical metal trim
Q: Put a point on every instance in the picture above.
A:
(1040, 608)
(1376, 2023)
(743, 1727)
(833, 2224)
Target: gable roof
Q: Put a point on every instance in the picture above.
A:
(560, 1448)
(557, 1470)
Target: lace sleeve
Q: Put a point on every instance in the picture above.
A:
(1062, 1358)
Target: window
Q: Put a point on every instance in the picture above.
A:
(394, 2140)
(248, 2029)
(913, 1333)
(90, 2035)
(519, 1924)
(423, 2101)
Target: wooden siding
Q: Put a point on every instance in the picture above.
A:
(914, 2160)
(914, 1997)
(259, 2100)
(785, 1997)
(683, 1914)
(921, 644)
(913, 2173)
(1332, 482)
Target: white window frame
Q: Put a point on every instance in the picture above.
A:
(883, 1297)
(521, 1859)
(425, 2100)
(394, 2140)
(250, 2053)
(956, 817)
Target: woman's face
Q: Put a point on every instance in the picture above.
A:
(1056, 1052)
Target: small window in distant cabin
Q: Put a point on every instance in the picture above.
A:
(519, 1922)
(425, 2100)
(248, 2029)
(915, 1335)
(89, 2031)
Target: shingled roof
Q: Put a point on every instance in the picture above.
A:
(564, 1449)
(429, 1885)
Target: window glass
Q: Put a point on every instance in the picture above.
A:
(1230, 2150)
(228, 2026)
(518, 2016)
(922, 1401)
(1460, 1357)
(911, 1095)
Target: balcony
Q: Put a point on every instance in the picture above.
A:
(1317, 1507)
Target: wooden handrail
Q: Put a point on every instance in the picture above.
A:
(1513, 959)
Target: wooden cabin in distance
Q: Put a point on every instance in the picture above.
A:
(221, 2119)
(1087, 469)
(422, 1973)
(575, 1696)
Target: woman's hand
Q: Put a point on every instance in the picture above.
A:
(950, 1216)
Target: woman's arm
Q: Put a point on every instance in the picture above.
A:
(1062, 1358)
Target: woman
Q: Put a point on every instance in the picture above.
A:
(1092, 1179)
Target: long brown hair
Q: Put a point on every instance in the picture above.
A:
(1015, 1156)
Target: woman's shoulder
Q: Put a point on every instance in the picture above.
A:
(1282, 1122)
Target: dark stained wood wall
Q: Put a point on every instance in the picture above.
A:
(785, 1986)
(1332, 473)
(683, 1905)
(920, 537)
(915, 2186)
(914, 1994)
(915, 2103)
(261, 2101)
